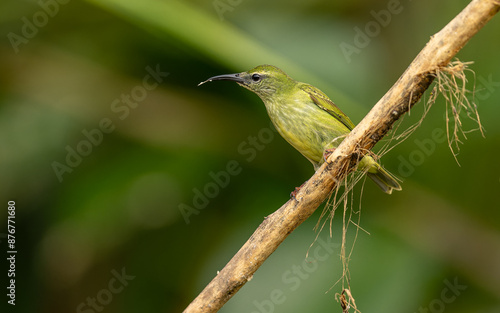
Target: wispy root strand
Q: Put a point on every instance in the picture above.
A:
(451, 83)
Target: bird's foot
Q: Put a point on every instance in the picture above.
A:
(327, 153)
(294, 193)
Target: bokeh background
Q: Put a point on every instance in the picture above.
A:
(104, 232)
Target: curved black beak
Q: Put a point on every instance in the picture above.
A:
(231, 77)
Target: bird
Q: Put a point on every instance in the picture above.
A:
(306, 118)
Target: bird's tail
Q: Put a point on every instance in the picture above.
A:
(383, 179)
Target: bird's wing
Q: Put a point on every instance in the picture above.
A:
(324, 103)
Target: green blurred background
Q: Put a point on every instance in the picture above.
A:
(116, 211)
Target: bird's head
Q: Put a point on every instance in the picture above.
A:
(266, 81)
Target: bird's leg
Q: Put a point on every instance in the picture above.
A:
(297, 189)
(327, 153)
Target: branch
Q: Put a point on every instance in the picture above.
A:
(438, 52)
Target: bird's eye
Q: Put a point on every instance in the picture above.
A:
(256, 77)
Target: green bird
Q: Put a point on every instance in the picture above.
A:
(305, 117)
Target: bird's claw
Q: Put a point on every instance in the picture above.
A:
(327, 153)
(294, 193)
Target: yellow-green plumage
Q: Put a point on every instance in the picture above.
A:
(305, 117)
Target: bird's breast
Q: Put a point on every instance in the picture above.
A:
(306, 127)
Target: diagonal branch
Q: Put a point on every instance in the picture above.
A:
(438, 52)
